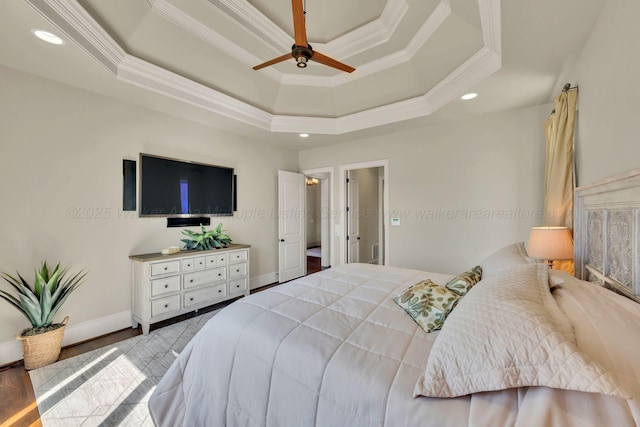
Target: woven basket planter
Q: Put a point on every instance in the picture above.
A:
(42, 349)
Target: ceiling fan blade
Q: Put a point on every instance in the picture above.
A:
(273, 61)
(299, 27)
(324, 59)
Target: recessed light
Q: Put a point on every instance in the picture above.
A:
(47, 37)
(304, 135)
(469, 96)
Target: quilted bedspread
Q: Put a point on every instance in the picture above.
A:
(333, 349)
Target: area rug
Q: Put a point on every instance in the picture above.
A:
(314, 252)
(111, 386)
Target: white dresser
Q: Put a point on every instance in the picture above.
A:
(165, 286)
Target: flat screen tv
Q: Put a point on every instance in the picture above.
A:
(176, 188)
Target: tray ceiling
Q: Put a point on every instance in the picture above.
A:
(412, 57)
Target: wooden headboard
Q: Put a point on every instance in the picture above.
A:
(607, 233)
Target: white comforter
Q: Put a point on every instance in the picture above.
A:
(333, 349)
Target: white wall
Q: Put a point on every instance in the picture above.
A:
(61, 168)
(607, 72)
(461, 189)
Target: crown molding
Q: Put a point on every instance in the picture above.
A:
(490, 19)
(144, 74)
(246, 16)
(172, 14)
(481, 65)
(369, 35)
(70, 18)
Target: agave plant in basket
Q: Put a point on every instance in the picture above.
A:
(208, 239)
(40, 303)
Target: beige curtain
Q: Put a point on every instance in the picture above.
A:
(559, 180)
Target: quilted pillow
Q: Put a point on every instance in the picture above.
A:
(428, 304)
(509, 332)
(507, 257)
(462, 283)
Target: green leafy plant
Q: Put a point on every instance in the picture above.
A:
(208, 239)
(40, 302)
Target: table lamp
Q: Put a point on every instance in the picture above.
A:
(550, 244)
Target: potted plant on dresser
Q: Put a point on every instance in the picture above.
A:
(39, 303)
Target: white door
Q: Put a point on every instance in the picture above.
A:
(292, 249)
(353, 223)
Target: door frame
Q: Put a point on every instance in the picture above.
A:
(342, 198)
(326, 173)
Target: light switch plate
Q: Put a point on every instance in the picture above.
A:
(395, 222)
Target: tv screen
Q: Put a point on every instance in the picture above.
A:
(178, 188)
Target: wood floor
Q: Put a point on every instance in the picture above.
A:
(313, 264)
(19, 408)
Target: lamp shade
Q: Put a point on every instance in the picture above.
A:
(550, 243)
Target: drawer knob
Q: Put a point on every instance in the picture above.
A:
(191, 281)
(219, 290)
(165, 269)
(191, 299)
(166, 306)
(188, 265)
(237, 286)
(166, 286)
(219, 274)
(237, 270)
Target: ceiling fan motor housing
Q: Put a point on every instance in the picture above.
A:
(302, 54)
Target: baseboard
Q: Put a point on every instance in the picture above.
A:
(263, 280)
(11, 351)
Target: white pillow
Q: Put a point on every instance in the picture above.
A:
(507, 257)
(509, 332)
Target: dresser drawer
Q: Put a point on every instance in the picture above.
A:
(165, 286)
(237, 270)
(210, 261)
(200, 278)
(165, 305)
(167, 267)
(237, 256)
(210, 293)
(186, 264)
(238, 286)
(199, 263)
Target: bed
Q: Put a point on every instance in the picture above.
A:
(335, 349)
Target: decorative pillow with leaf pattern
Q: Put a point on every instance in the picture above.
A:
(462, 283)
(428, 304)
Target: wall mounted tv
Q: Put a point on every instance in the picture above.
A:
(175, 188)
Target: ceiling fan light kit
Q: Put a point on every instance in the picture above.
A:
(302, 55)
(301, 50)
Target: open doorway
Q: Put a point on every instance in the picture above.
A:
(318, 208)
(364, 212)
(364, 197)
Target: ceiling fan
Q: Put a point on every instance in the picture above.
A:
(302, 51)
